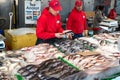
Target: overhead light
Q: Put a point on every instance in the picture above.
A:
(2, 1)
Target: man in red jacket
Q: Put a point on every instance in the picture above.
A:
(49, 25)
(77, 20)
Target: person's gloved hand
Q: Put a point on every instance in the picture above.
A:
(68, 34)
(59, 35)
(85, 33)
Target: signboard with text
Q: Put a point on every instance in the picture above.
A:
(32, 11)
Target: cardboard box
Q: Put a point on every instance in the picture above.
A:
(90, 14)
(14, 42)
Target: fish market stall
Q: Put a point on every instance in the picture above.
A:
(86, 58)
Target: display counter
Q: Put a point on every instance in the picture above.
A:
(85, 58)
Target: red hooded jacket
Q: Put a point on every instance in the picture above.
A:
(48, 25)
(76, 21)
(112, 14)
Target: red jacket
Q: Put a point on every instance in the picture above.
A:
(112, 14)
(48, 25)
(76, 21)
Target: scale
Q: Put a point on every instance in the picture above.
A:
(2, 43)
(109, 25)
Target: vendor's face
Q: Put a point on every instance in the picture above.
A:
(78, 8)
(53, 12)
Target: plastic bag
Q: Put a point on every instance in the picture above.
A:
(21, 31)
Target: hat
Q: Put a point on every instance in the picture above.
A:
(78, 3)
(55, 4)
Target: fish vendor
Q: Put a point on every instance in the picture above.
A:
(77, 20)
(49, 27)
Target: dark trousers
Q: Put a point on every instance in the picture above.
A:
(77, 35)
(50, 41)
